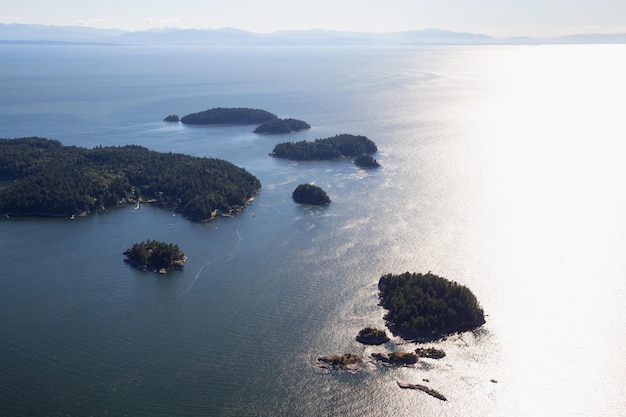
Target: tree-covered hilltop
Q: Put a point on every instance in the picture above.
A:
(155, 255)
(426, 306)
(55, 180)
(338, 146)
(236, 115)
(279, 126)
(310, 194)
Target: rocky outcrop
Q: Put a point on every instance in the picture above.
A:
(173, 118)
(423, 388)
(346, 362)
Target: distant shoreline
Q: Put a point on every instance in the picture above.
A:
(31, 34)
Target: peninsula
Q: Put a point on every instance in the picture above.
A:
(426, 307)
(53, 180)
(155, 256)
(339, 146)
(232, 116)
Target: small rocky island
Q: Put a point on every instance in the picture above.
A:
(172, 118)
(423, 388)
(345, 362)
(426, 307)
(396, 358)
(231, 116)
(431, 353)
(155, 256)
(310, 194)
(280, 126)
(366, 161)
(371, 336)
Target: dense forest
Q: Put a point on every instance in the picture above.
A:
(155, 255)
(338, 146)
(310, 194)
(428, 306)
(221, 115)
(282, 126)
(55, 180)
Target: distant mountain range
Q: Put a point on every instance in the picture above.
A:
(42, 34)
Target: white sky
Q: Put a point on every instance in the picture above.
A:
(492, 17)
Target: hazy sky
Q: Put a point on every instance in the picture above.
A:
(493, 17)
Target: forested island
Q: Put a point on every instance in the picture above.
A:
(366, 161)
(226, 115)
(428, 307)
(50, 179)
(344, 145)
(310, 194)
(155, 256)
(279, 126)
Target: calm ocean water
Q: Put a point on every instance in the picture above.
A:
(502, 169)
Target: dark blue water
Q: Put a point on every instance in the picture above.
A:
(501, 169)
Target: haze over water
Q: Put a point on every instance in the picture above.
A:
(501, 169)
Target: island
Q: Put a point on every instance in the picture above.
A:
(396, 358)
(232, 116)
(310, 194)
(366, 161)
(431, 353)
(172, 118)
(423, 388)
(280, 126)
(426, 307)
(155, 256)
(371, 336)
(53, 180)
(339, 146)
(345, 362)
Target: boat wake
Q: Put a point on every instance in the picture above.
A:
(225, 258)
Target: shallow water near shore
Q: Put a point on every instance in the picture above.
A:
(501, 169)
